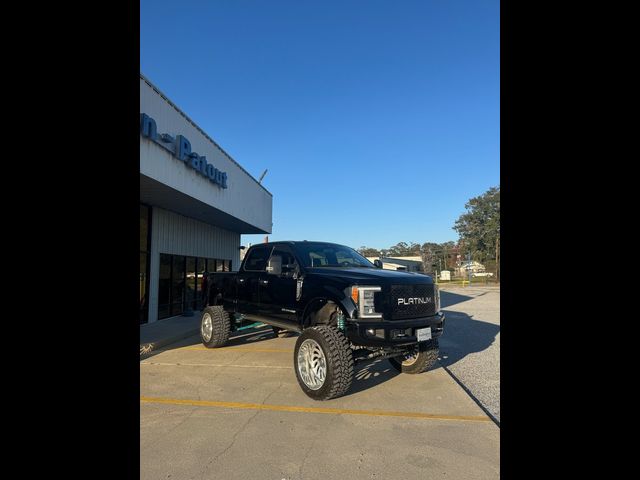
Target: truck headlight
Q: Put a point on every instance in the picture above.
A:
(363, 297)
(437, 295)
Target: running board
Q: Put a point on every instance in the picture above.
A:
(276, 323)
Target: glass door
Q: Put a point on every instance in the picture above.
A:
(145, 233)
(178, 282)
(192, 283)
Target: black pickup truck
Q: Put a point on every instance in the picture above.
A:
(346, 309)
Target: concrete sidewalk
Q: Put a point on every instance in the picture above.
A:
(170, 330)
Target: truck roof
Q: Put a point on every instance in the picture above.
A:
(293, 242)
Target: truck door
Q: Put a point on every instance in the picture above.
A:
(248, 279)
(278, 292)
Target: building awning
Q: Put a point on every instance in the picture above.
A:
(158, 194)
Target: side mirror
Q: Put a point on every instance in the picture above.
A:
(377, 263)
(275, 265)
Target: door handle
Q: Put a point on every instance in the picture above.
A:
(241, 280)
(264, 282)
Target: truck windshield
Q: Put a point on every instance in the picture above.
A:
(328, 255)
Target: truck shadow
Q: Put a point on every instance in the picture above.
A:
(238, 338)
(448, 299)
(462, 336)
(370, 373)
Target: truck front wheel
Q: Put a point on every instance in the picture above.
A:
(214, 327)
(419, 360)
(323, 362)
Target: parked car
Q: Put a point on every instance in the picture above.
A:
(345, 308)
(482, 274)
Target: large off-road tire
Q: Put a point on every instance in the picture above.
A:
(424, 358)
(215, 326)
(323, 362)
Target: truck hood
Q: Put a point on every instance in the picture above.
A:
(375, 276)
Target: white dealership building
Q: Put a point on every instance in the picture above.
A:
(195, 202)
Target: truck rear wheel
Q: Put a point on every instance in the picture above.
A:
(323, 362)
(214, 327)
(418, 361)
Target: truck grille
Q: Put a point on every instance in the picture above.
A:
(410, 307)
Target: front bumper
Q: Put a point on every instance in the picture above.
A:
(391, 333)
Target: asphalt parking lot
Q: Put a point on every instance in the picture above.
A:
(238, 412)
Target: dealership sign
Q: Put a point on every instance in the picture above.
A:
(180, 148)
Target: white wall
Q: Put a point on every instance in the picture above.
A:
(244, 198)
(179, 235)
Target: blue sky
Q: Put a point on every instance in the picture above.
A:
(377, 120)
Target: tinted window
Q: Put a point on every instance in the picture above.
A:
(164, 286)
(343, 258)
(192, 284)
(287, 257)
(211, 265)
(257, 259)
(144, 297)
(200, 269)
(330, 255)
(177, 284)
(180, 282)
(144, 263)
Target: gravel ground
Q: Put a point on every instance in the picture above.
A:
(470, 346)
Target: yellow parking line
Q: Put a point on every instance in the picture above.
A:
(164, 364)
(335, 411)
(232, 349)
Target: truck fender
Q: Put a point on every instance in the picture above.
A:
(319, 302)
(338, 297)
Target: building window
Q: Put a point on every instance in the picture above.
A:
(145, 235)
(180, 282)
(164, 287)
(192, 282)
(201, 268)
(222, 266)
(211, 265)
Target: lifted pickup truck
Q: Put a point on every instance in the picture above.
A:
(346, 309)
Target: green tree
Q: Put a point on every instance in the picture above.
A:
(398, 250)
(433, 255)
(479, 227)
(404, 249)
(369, 252)
(445, 249)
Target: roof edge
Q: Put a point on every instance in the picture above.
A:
(201, 131)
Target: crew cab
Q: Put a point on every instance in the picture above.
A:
(345, 308)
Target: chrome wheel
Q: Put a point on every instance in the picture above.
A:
(207, 327)
(312, 364)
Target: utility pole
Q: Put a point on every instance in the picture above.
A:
(469, 265)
